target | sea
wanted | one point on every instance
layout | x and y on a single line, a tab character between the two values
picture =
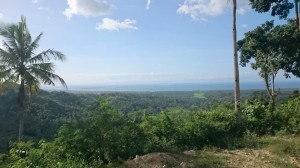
174	87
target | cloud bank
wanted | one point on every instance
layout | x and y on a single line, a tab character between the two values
200	9
87	8
115	25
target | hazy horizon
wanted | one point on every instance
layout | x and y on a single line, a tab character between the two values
174	86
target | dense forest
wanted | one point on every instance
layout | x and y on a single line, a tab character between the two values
96	129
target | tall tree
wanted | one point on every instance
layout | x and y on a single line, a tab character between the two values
235	61
20	64
269	49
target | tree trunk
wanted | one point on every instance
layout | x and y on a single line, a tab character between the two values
270	91
236	65
273	94
297	13
21	104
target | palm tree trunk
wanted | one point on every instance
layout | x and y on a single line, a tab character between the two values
236	65
21	101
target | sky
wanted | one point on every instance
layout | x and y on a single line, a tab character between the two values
112	42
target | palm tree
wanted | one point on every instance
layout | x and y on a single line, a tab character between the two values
235	62
20	64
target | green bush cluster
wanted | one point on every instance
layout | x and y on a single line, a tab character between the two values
106	136
261	120
290	115
179	129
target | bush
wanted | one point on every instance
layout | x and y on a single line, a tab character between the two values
259	119
290	113
103	137
180	129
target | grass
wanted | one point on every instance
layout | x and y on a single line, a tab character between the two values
199	95
252	152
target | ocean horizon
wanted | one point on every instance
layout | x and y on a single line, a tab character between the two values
173	87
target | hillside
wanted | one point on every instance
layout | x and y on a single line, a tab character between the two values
151	129
43	117
268	152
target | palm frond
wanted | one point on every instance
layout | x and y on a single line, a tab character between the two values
5	73
8	32
49	66
46	56
33	46
47	77
8	57
31	82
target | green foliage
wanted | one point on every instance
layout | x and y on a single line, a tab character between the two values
47	154
290	113
260	118
257	117
277	7
283	145
160	132
270	48
103	137
20	64
183	129
200	95
47	112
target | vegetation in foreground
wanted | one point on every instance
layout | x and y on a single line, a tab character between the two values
102	136
267	152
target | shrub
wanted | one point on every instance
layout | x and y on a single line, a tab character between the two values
182	129
259	119
290	113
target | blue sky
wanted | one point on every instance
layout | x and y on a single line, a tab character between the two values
138	41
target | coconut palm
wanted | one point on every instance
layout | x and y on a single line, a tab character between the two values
20	64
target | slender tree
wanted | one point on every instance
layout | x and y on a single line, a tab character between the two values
270	48
235	61
20	64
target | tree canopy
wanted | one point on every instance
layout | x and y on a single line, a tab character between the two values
279	8
271	48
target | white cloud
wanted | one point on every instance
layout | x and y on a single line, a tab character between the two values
35	1
1	15
148	4
197	9
111	24
200	9
87	8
